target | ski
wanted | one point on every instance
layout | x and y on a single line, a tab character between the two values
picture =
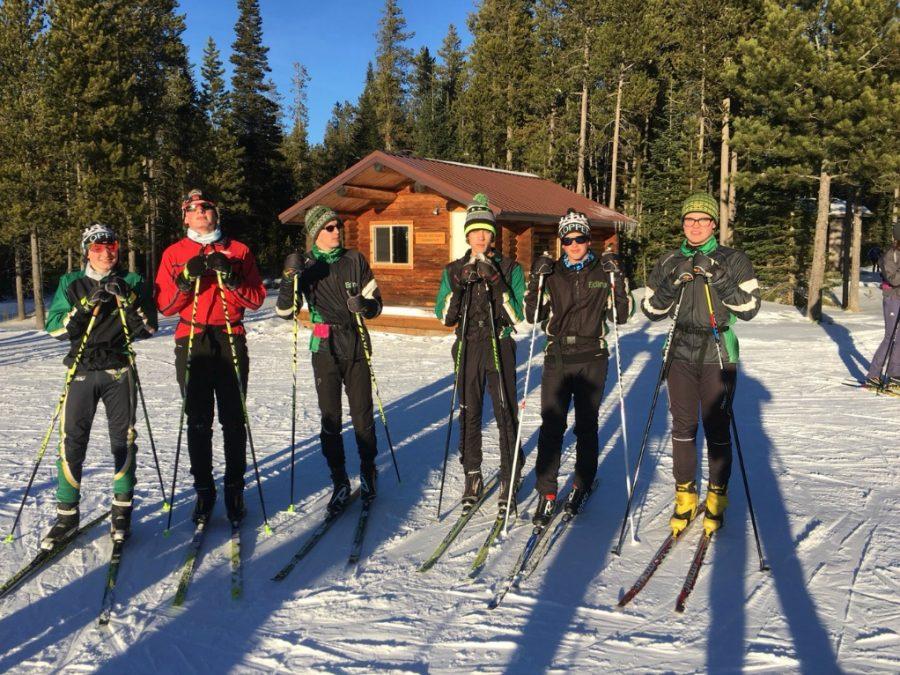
237	574
44	558
558	530
356	547
190	561
482	554
460	523
693	572
109	590
856	384
314	538
657	560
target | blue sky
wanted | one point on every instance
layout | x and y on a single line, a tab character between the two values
334	40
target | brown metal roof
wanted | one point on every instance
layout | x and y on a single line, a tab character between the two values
512	195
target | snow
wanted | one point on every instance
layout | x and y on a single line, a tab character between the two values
822	460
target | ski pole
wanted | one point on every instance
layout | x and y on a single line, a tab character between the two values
368	355
187	377
70	375
727	404
612	285
457	369
237	374
294	390
515	461
663	368
889	354
501	381
137	381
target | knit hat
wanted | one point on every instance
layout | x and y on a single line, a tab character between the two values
97	234
573	221
317	218
195	196
701	202
479	216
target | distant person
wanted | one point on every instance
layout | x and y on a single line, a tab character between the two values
338	284
879	376
89	300
200	256
695	379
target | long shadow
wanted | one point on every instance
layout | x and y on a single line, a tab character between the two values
857	364
726	647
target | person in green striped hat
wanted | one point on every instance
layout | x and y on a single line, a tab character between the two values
682	285
479	282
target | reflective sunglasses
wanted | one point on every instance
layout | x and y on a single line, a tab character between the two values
580	239
98	247
332	228
702	222
202	206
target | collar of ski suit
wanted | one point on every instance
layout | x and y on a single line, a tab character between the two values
330	257
91	273
705	248
205	239
581	264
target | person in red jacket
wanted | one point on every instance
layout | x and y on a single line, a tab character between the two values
195	262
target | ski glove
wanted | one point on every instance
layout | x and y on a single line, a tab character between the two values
119	288
296	263
358	304
683	272
708	267
468	275
97	296
542	265
219	263
193	268
609	262
487	271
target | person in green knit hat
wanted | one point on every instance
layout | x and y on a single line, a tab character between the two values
337	284
695	378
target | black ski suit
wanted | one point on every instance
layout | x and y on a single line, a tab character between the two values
695	379
574	311
337	348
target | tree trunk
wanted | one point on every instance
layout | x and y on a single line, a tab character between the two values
701	131
551	136
845	255
20	282
615	147
732	190
582	127
70	259
820	243
724	178
855	246
36	281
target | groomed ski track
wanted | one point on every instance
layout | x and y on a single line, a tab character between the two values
823	462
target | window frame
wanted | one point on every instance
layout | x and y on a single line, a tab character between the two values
409	225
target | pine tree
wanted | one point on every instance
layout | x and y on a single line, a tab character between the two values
365	133
450	75
425	105
391	76
296	145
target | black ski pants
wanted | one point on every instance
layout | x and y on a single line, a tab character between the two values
212	383
354	376
562	383
116	388
697	392
476	368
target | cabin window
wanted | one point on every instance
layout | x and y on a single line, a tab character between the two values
391	244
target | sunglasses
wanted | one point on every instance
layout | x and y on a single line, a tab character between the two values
202	207
111	246
580	239
702	222
332	228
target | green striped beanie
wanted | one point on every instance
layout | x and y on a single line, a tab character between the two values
701	202
479	216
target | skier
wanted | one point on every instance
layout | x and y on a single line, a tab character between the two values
695	378
101	373
196	261
488	282
577	303
338	285
889	264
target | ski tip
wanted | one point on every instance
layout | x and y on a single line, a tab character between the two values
8	539
166	507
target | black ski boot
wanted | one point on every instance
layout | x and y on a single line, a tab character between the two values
234	503
340	496
65	526
368	477
503	498
206	498
473	490
576	500
543	514
120	516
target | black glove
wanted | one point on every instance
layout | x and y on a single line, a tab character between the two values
468	275
708	267
683	272
295	264
357	303
543	264
194	267
96	297
219	263
119	288
609	262
487	271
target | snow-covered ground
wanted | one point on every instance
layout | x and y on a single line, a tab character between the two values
822	460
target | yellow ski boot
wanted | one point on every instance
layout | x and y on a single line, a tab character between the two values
685	506
716	502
